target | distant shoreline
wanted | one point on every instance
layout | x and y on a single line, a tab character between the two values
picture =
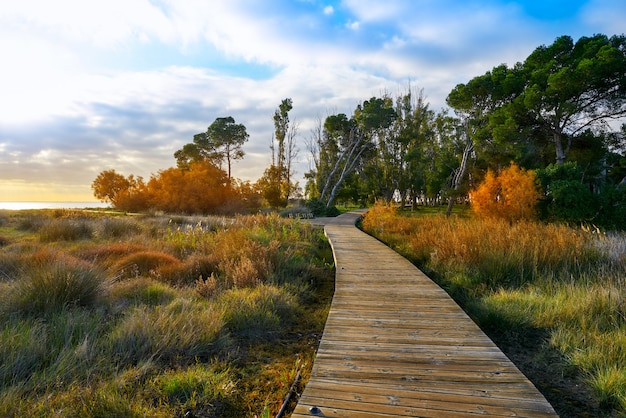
51	205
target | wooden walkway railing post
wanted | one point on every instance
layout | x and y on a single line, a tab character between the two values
395	344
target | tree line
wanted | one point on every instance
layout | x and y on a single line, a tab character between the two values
558	113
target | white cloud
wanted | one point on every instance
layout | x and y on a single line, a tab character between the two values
102	24
353	25
329	10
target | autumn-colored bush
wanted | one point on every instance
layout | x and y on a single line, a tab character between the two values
109	253
512	194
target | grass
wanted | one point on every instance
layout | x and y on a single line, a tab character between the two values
145	317
542	290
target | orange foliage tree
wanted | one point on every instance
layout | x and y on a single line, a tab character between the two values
203	188
512	195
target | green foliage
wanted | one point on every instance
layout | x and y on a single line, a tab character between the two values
319	209
566	198
221	143
612	202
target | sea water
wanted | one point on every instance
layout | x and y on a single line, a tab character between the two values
51	205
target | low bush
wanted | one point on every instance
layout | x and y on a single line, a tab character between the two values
143	263
196	384
183	330
55	287
109	254
115	228
258	313
142	291
65	229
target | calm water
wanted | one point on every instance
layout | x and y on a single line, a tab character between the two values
51	205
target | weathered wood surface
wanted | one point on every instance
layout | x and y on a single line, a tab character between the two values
395	344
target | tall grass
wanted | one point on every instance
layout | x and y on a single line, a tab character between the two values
526	276
184	327
55	287
150	317
65	229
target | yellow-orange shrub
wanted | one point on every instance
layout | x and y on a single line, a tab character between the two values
512	195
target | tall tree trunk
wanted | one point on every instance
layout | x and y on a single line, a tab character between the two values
347	169
558	146
459	174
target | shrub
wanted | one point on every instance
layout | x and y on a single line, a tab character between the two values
511	195
65	229
567	198
142	290
109	254
318	208
32	222
184	330
201	383
258	313
144	263
207	288
37	353
21	350
9	267
114	228
57	286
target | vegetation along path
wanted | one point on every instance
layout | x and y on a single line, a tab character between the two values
395	344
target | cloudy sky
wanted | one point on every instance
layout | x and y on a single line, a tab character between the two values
91	85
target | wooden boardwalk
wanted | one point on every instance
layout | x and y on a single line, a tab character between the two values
395	344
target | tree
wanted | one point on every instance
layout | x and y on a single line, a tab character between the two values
567	198
200	188
512	195
553	99
345	141
108	185
275	184
124	193
269	185
222	142
571	87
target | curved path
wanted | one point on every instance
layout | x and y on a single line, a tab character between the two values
395	344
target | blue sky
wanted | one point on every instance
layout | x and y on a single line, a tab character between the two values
87	86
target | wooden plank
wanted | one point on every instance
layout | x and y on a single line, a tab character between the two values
395	344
